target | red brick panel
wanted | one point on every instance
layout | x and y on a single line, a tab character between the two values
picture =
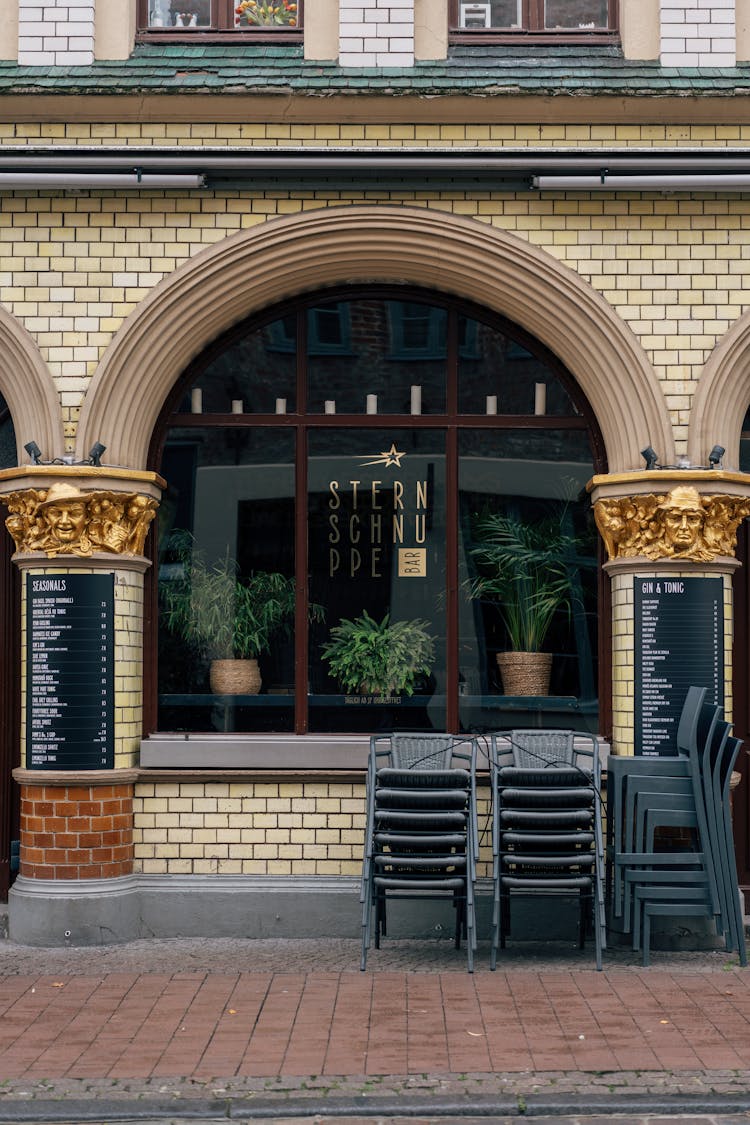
76	831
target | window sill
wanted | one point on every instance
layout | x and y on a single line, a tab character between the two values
280	36
493	37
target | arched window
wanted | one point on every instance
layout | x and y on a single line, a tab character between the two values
376	459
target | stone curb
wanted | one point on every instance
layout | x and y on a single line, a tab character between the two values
243	1109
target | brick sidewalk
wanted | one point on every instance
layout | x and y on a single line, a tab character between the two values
269	1020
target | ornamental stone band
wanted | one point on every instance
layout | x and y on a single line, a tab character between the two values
679	524
65	519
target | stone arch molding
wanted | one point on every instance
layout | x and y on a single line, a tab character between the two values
721	397
26	385
289	256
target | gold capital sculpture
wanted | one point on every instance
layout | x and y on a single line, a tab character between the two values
680	524
67	520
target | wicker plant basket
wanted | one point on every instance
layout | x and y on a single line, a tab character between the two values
525	673
234	677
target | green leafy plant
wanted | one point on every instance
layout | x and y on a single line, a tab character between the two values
524	570
379	657
224	616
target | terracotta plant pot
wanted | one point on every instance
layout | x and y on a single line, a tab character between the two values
234	677
525	673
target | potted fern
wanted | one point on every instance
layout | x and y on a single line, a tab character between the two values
524	572
231	620
379	657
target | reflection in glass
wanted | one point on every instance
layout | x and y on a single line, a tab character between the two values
376	550
8	453
491	13
376	351
254	371
575	13
179	13
521	493
229	494
493	365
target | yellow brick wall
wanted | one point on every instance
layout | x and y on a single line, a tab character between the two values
258	828
72	267
128	667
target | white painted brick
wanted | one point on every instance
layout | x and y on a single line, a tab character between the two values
391	59
76	29
358	59
356	30
351	46
672	46
680	59
402	45
719	59
74	58
35	58
29	29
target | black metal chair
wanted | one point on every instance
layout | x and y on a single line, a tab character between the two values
547	828
421	830
670	850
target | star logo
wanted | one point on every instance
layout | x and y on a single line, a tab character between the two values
387	458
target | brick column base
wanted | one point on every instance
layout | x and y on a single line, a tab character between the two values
76	826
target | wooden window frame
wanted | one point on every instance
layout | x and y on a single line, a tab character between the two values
222	29
533	29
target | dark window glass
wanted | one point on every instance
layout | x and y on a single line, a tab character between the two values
196	17
376	559
527	576
533	15
224	522
351	450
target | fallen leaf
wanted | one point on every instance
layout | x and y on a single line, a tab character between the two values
58	984
232	1011
476	1034
663	1021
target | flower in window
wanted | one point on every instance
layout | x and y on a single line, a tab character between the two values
266	12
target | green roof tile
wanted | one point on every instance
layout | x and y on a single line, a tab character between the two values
488	70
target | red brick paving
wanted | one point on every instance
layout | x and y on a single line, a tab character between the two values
266	1024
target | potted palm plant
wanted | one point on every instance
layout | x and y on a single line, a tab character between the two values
379	657
231	620
524	572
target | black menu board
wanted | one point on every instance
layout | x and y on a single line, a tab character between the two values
679	642
70	671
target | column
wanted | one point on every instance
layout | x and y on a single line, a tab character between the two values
670	538
79	534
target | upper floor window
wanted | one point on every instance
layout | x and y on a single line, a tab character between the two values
551	17
206	16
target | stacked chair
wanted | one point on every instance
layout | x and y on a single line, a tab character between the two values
421	832
547	827
670	851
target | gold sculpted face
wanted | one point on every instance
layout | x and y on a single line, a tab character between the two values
682	517
683	524
66	520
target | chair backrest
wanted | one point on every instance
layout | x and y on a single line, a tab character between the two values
421	751
542	747
687	728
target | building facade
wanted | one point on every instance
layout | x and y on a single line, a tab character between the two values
355	303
